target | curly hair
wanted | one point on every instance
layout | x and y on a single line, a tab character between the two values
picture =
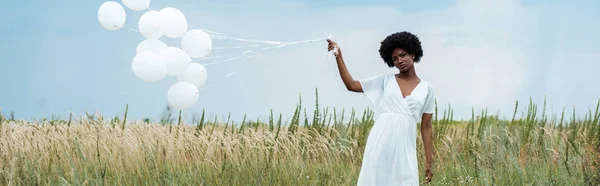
404	40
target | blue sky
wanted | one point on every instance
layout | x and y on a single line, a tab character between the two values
57	57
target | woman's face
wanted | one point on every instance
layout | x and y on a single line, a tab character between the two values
402	60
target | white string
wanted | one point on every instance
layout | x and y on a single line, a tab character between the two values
225	36
279	45
230	59
208	31
232	73
212	57
247	40
252	56
228	55
229	74
238	57
236	47
205	87
216	35
276	48
233	58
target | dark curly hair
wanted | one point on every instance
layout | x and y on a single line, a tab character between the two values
405	40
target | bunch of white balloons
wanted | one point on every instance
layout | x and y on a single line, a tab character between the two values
154	60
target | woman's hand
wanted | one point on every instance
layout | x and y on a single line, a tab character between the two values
428	173
333	46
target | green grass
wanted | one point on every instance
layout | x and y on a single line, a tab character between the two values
327	150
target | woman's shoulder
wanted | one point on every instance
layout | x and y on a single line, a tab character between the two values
428	85
430	88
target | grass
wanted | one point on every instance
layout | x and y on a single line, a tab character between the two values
327	150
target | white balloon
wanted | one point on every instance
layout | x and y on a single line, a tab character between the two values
152	45
182	95
148	66
176	59
137	5
195	74
173	23
196	43
111	15
149	25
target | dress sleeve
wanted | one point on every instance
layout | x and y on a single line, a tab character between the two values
430	101
373	88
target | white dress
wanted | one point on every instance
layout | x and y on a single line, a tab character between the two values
390	156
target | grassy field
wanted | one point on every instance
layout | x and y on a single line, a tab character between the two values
537	149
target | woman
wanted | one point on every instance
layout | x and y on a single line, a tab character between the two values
402	99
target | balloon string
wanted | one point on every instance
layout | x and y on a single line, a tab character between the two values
233	58
208	31
268	42
217	48
238	57
264	51
229	74
205	87
247	40
218	35
232	73
220	56
236	47
212	57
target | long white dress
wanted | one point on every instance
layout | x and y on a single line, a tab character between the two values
390	156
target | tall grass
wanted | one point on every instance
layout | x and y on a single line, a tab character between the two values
485	150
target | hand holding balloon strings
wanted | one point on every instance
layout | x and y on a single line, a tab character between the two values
154	60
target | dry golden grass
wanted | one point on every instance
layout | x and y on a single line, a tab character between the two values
480	151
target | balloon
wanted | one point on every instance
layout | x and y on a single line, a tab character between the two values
111	15
148	66
173	23
195	74
182	95
137	5
176	59
196	43
149	25
153	45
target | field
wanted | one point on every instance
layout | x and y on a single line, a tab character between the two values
533	149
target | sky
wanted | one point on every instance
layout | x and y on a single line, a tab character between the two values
58	59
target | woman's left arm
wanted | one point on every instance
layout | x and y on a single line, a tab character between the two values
426	133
